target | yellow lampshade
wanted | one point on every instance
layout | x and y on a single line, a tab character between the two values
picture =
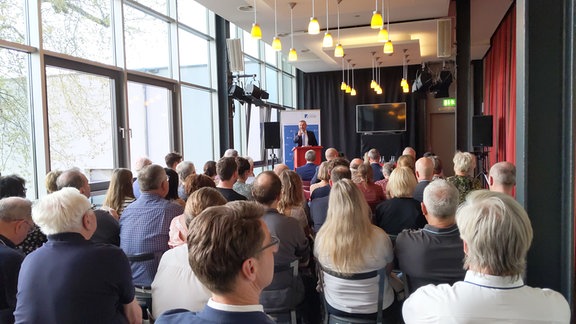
313	26
406	88
388	47
343	86
256	32
276	44
348	89
327	41
373	84
353	92
292	55
379	91
383	35
339	50
403	83
376	21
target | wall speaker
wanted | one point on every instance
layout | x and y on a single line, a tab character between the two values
482	131
444	37
235	56
271	135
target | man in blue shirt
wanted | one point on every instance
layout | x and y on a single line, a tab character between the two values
307	171
243	268
145	224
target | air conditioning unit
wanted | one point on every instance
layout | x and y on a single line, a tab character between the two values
444	32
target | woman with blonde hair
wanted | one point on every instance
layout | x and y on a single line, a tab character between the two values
292	199
373	193
348	245
120	192
401	211
464	165
323	176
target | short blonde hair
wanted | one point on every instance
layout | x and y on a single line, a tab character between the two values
401	183
61	211
323	171
464	162
497	231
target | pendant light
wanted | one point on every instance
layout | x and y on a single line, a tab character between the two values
348	87
276	43
338	50
373	82
379	88
327	41
313	25
292	55
343	84
376	21
353	92
388	47
383	33
256	31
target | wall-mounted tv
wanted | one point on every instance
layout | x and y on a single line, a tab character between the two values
380	118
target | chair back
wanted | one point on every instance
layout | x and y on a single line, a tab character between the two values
286	312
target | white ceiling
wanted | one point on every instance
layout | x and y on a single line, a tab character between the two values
412	26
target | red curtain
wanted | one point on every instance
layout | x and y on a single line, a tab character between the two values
500	89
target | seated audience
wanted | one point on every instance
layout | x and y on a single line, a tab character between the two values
401	211
227	170
306	171
464	165
145	224
438	171
434	254
374	160
502	178
245	170
71	279
409	151
319	206
236	278
330	154
372	192
497	235
172	160
173	183
210	170
325	191
354	164
139	165
387	169
230	153
292	199
348	244
51	181
184	169
120	192
424	173
108	230
15	224
406	161
175	285
323	176
279	168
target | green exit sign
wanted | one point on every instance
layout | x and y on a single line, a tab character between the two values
450	102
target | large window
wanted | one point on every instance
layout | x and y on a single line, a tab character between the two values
12	21
198	131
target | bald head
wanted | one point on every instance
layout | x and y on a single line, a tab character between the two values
355	163
331	153
266	188
75	179
409	151
279	168
502	177
424	169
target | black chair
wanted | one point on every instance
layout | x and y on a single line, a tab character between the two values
287	313
143	294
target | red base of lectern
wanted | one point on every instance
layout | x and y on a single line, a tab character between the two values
300	155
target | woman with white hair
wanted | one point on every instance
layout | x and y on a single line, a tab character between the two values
349	245
464	165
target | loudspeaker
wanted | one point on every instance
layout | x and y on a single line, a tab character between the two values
444	37
482	130
235	56
271	135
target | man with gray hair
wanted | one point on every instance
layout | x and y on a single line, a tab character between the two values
502	177
433	254
497	234
230	153
184	169
306	172
71	279
15	223
139	165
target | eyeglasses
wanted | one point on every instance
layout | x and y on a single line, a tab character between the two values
273	241
31	225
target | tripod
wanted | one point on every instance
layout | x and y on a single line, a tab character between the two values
482	165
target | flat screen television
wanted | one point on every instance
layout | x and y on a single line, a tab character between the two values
381	118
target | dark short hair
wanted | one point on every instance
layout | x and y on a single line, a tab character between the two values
266	188
196	181
172	158
70	178
210	168
243	165
226	167
340	172
217	259
173	182
12	186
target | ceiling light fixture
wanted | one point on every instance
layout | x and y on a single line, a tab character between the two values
388	47
276	43
348	87
338	50
353	92
292	55
313	25
378	87
343	84
376	21
256	31
383	33
373	82
327	41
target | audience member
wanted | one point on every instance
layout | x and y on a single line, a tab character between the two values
502	178
108	230
330	154
497	235
244	171
354	164
173	183
438	170
71	279
323	176
139	165
374	159
227	170
348	244
464	165
319	206
406	161
172	160
230	153
282	292
325	191
145	224
434	254
184	169
196	181
175	285
50	180
306	172
305	137
12	186
15	223
292	199
424	174
279	168
210	170
410	151
387	169
372	193
401	211
245	265
120	192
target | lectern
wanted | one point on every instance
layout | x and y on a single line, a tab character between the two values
300	155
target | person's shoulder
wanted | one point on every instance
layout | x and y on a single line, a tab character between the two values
178	316
9	254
